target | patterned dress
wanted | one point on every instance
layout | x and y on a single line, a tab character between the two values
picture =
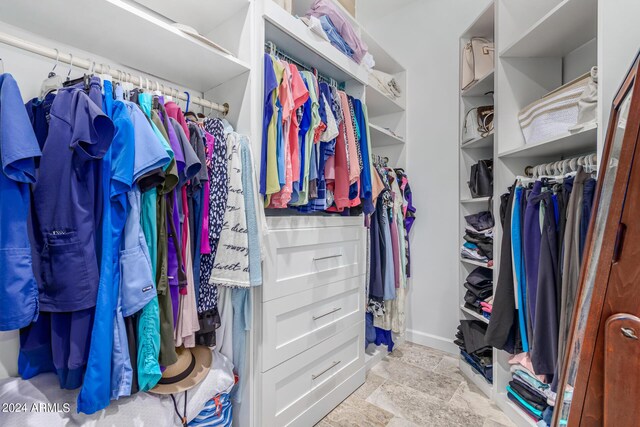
217	169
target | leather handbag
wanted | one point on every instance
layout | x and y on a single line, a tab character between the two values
477	60
478	123
481	179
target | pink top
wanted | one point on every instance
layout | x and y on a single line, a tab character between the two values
173	110
353	163
340	186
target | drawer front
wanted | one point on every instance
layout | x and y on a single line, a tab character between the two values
292	324
290	389
298	260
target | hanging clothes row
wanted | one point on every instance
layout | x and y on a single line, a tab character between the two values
545	224
316	147
131	199
388	266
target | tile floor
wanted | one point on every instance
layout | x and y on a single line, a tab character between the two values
416	386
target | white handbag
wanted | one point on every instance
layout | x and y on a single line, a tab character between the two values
477	60
552	116
478	123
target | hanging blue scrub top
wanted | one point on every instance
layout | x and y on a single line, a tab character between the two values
18	152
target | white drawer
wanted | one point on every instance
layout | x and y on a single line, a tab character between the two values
302	383
297	322
301	259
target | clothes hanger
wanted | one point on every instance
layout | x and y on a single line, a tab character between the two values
70	67
186	110
53	81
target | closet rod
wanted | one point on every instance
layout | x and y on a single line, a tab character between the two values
102	69
271	48
562	166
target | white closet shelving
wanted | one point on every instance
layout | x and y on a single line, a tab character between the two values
539	47
315	265
127	33
478	94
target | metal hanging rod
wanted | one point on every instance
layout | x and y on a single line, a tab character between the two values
122	76
561	167
272	49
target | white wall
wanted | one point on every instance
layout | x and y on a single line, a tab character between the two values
618	44
423	36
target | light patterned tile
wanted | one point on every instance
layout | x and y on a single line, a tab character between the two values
324	423
356	412
417	355
372	382
449	366
401	422
470	398
420	408
436	385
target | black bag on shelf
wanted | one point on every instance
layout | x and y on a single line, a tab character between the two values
481	179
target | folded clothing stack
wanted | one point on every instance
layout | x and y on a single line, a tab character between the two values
529	391
478	244
473	349
479	296
385	83
339	30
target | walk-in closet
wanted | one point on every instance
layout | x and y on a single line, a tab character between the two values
332	213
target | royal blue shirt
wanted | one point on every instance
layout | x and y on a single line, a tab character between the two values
18	151
65	205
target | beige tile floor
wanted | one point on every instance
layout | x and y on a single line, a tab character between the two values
416	386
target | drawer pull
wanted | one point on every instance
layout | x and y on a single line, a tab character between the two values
327	257
333	365
326	314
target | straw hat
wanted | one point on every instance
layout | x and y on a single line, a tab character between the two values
191	368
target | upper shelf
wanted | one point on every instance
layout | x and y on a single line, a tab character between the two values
571	144
483	26
379	104
481	87
381	137
210	14
119	30
482	142
565	28
295	38
384	61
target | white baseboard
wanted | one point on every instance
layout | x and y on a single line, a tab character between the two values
433	341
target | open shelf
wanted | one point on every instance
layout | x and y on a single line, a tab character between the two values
379	104
483	142
210	14
474	314
484	25
381	137
116	26
517	415
480	381
565	28
292	36
481	87
478	263
478	200
384	61
572	144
